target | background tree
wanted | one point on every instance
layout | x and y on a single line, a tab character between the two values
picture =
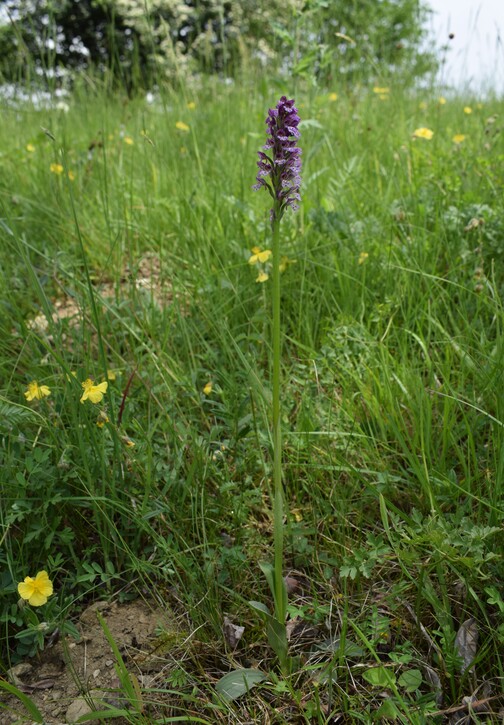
142	42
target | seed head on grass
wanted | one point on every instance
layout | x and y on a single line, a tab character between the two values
283	163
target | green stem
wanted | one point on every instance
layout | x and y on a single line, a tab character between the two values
280	592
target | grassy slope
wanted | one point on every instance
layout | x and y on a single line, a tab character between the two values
392	373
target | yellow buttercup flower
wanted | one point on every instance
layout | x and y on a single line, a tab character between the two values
458	138
333	97
441	100
381	91
467	109
71	176
423	132
111	375
208	388
191	105
259	256
128	140
262	277
182	126
35	391
37	590
362	257
92	392
30	148
56	169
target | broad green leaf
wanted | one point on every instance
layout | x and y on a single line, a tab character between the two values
410	680
275	630
351	649
387	710
99	715
239	682
379	677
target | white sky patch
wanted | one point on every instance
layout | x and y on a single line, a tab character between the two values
474	60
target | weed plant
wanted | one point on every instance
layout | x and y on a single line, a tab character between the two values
126	228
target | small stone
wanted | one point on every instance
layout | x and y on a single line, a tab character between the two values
88	616
77	709
81	706
109	663
14	674
96	674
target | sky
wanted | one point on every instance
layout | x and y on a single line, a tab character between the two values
475	55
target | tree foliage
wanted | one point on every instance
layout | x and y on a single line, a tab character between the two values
144	41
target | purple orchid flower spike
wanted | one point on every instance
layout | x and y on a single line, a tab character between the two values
283	162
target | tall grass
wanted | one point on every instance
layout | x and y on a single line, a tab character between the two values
392	409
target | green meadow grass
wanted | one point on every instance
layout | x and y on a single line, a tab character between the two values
130	257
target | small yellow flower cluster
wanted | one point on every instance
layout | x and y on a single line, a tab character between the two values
383	93
423	132
91	391
260	257
182	126
58	170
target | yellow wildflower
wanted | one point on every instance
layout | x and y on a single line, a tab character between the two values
35	391
30	148
381	91
128	442
111	375
441	100
208	388
262	277
425	133
259	256
191	105
182	126
363	257
71	176
128	140
467	109
36	590
56	169
458	138
93	392
333	97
